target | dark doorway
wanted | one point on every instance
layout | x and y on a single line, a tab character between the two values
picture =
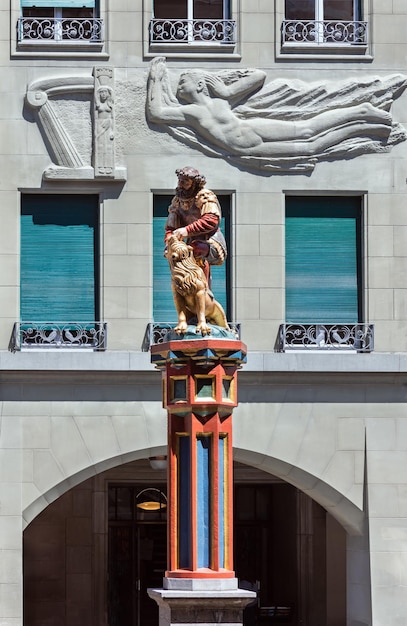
265	551
264	554
137	553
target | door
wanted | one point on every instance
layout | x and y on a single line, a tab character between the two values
137	554
265	553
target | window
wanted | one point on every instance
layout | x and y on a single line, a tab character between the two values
60	21
324	22
59	271
163	304
192	21
323	265
347	10
323	262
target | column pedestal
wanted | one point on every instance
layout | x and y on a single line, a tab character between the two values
205	602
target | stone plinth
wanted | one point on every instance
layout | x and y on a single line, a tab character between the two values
204	602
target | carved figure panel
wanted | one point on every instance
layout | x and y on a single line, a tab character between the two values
53	102
104	161
275	126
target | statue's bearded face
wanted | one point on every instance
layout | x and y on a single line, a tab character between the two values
187	187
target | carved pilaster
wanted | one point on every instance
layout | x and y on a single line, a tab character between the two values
103	128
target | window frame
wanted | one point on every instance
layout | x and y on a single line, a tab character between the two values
303	336
328	50
57	46
86	333
194	48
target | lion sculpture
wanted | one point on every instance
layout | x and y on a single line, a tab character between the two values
192	296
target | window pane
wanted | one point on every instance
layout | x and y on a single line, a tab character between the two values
262	503
77	13
37	12
322	260
170	9
59	257
208	9
245	503
56	4
338	10
299	9
112	503
124	503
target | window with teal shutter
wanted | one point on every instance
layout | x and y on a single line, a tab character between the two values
59	258
163	304
323	259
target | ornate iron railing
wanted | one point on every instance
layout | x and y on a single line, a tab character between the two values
352	337
328	32
192	31
71	335
89	30
156	332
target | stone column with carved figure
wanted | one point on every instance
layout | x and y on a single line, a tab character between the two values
104	131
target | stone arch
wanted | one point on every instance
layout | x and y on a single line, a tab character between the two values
338	505
350	516
42	501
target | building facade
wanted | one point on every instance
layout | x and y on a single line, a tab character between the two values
295	112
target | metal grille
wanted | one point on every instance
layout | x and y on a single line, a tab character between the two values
42	335
157	333
353	337
326	32
192	31
59	29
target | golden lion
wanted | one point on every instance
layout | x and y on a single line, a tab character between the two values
190	290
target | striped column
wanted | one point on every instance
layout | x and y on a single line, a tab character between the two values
199	393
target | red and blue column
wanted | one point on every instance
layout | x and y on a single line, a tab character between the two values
199	378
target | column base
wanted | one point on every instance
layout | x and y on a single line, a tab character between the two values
206	602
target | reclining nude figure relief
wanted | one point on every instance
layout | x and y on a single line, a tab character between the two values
278	126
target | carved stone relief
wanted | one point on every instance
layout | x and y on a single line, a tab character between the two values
91	123
74	155
276	126
103	153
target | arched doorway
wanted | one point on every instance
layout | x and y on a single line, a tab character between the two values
90	556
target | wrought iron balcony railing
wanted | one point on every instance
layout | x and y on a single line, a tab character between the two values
156	332
329	32
192	31
49	29
348	337
66	335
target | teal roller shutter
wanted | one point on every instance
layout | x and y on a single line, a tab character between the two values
58	258
68	4
163	304
220	273
323	259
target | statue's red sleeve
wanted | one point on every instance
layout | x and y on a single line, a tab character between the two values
205	224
